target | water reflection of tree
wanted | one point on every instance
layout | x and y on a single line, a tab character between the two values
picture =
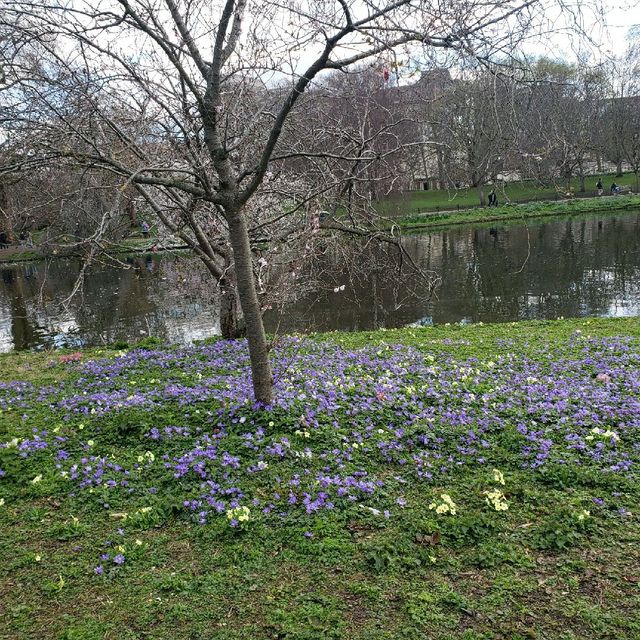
359	285
571	268
14	288
574	267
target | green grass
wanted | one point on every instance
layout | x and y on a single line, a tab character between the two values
413	202
518	212
532	572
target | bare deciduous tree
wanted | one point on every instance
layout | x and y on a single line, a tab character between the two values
193	103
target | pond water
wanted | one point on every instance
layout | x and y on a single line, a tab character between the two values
571	267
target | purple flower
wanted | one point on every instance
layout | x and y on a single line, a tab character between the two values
98	570
119	559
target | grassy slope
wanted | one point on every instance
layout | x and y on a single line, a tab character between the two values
435	200
519	212
498	575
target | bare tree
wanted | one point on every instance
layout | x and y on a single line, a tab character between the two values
193	104
623	119
475	120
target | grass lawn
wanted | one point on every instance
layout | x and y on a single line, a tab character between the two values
413	202
519	212
474	482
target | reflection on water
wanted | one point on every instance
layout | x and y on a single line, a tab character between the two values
575	267
146	298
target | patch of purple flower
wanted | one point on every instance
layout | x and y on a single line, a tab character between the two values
344	423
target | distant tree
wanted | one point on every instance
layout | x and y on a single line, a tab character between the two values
474	123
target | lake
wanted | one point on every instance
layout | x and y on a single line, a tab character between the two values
581	266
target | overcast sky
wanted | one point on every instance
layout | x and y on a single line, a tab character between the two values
607	24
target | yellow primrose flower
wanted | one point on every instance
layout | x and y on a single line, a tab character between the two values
498	476
241	514
446	506
605	434
37	479
496	500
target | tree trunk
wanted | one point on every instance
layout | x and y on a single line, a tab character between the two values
258	348
481	195
582	185
442	180
131	212
619	169
231	324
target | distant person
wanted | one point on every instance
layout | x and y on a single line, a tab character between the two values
4	244
23	238
599	187
493	198
28	239
145	229
614	189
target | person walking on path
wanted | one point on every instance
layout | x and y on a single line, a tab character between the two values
599	187
493	198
